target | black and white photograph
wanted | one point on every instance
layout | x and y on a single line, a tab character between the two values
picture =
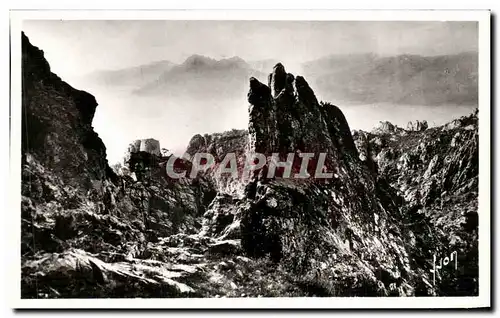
282	159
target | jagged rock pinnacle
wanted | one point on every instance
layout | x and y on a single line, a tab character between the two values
259	93
277	80
304	93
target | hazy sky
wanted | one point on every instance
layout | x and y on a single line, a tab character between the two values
75	48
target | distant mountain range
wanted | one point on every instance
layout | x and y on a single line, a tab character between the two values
132	76
402	79
202	77
361	78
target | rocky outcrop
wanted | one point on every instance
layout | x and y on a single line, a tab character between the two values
301	125
394	197
68	146
219	144
350	217
71	199
385	127
435	171
142	156
151	146
417	125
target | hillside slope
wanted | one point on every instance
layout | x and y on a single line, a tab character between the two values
435	172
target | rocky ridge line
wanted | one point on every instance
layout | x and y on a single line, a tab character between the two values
357	234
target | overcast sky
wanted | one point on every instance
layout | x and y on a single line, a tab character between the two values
73	47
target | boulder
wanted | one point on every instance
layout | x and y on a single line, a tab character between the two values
384	127
417	125
225	247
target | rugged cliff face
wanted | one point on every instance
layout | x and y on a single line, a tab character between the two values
68	146
76	212
396	197
219	145
340	235
435	172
